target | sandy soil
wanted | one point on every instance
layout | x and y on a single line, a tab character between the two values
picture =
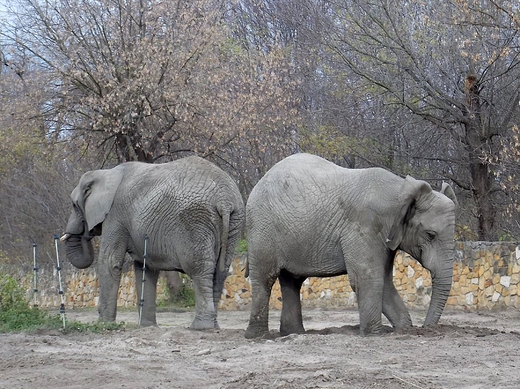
467	350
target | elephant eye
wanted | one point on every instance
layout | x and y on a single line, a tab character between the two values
430	235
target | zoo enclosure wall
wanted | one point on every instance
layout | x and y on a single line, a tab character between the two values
486	276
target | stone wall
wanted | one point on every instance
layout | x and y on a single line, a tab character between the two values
486	276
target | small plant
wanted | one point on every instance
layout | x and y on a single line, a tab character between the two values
185	297
16	314
15	311
96	327
241	246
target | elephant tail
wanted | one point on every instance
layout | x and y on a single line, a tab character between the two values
225	214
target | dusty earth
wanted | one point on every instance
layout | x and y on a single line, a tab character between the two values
467	350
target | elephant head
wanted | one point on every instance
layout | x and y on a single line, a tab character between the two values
424	228
92	199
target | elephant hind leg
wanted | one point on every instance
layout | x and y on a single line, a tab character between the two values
291	321
261	292
205	310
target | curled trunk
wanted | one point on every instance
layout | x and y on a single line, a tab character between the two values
79	251
77	239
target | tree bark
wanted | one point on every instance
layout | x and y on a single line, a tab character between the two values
478	142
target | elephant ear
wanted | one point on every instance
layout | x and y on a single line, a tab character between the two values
449	193
95	193
411	191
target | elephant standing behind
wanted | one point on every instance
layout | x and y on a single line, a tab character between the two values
309	217
190	210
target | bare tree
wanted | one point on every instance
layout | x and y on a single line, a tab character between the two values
147	80
141	80
35	175
440	80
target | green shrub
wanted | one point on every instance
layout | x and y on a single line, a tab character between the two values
241	246
15	311
12	296
185	297
16	314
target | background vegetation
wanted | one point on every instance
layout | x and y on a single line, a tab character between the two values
16	314
427	88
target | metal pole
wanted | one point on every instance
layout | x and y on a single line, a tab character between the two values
35	269
141	299
58	267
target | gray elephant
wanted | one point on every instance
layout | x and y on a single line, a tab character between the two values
191	212
309	217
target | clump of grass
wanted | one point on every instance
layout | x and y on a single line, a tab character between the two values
241	246
15	311
17	315
183	298
186	297
97	327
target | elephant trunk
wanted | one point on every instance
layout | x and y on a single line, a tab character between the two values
79	250
441	286
77	240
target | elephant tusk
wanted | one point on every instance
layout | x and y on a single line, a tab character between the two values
65	237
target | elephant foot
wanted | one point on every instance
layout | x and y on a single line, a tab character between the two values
403	327
204	324
287	330
370	330
106	320
253	332
148	323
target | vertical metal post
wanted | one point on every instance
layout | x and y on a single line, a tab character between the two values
60	290
141	298
35	269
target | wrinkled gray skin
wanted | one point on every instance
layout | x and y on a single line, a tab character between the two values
308	217
192	213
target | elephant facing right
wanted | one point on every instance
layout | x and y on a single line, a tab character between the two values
308	217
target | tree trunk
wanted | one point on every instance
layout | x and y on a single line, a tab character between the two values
478	143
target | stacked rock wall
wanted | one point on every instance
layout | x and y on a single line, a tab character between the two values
486	276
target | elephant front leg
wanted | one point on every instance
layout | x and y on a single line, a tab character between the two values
393	306
369	294
109	271
291	321
147	305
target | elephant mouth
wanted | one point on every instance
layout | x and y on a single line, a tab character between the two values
66	236
96	231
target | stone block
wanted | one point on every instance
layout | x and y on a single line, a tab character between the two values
505	281
452	300
473	287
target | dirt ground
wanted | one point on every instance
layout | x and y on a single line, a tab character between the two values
467	350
